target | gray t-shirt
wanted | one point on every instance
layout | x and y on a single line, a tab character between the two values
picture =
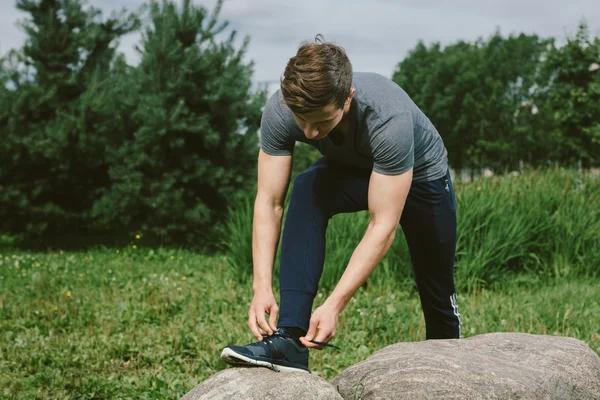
387	132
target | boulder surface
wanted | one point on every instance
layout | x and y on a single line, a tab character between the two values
249	383
489	366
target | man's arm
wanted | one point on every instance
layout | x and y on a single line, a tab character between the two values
387	196
273	182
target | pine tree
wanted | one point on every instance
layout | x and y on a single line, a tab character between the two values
52	162
188	158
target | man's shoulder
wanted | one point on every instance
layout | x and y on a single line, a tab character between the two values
380	95
373	80
276	111
278	120
274	102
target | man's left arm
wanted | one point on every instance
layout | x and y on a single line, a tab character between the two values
387	195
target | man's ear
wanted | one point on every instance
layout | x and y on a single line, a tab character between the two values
349	99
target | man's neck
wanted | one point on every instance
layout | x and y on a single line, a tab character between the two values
343	125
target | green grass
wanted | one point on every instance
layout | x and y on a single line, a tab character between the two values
150	323
142	323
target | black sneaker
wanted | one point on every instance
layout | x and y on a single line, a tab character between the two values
279	352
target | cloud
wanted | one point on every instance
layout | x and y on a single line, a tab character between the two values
11	36
376	34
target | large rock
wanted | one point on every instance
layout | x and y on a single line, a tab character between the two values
490	366
262	384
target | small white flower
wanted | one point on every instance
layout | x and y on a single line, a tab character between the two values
179	289
472	330
320	294
503	322
593	67
113	279
110	271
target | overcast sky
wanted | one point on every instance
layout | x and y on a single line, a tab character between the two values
377	34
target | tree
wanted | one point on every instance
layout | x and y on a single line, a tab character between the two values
187	157
471	91
51	162
569	97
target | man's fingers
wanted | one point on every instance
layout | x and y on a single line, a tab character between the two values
324	336
312	330
253	327
311	344
262	322
273	318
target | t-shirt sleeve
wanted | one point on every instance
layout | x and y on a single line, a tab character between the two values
275	136
392	145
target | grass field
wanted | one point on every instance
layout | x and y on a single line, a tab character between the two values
150	323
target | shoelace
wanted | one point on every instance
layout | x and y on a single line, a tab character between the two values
325	344
277	333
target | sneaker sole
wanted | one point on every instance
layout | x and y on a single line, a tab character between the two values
233	358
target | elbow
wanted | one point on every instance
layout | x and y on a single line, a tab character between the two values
391	237
278	210
276	205
268	205
386	232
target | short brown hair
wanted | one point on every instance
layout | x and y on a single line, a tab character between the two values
318	75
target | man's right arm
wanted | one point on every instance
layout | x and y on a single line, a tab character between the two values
273	182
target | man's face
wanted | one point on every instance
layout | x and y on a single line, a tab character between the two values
317	124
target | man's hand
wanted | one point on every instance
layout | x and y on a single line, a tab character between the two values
325	318
262	303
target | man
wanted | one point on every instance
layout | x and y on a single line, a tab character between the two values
382	154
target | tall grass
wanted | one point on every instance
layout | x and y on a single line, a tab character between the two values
236	238
543	221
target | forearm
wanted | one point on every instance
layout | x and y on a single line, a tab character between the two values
266	228
371	249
